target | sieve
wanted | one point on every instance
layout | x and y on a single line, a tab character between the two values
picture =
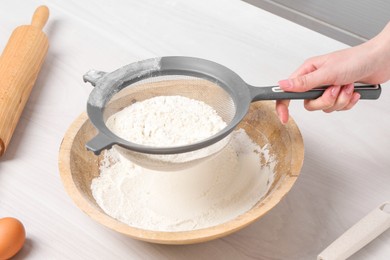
195	78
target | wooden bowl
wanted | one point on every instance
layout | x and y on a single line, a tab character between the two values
78	167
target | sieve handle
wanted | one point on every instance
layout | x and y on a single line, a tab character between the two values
93	76
276	93
99	143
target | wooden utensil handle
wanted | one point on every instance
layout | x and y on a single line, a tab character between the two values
40	17
20	63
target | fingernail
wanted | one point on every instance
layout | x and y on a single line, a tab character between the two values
355	98
280	117
334	92
349	89
286	84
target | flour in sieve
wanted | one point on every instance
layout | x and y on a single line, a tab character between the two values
211	193
166	121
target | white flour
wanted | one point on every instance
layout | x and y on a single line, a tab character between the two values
208	194
166	121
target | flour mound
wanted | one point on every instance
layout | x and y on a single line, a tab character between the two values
211	193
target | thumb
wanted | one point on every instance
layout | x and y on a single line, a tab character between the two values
305	82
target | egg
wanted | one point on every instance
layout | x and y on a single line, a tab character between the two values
12	236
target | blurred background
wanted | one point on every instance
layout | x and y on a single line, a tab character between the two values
348	21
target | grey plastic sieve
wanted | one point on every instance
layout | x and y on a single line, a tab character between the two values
242	94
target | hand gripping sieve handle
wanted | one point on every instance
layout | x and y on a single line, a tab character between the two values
360	234
20	64
276	93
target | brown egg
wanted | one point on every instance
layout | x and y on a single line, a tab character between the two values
12	236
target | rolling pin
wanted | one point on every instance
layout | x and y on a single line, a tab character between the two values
20	64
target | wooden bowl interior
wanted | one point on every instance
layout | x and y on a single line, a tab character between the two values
78	167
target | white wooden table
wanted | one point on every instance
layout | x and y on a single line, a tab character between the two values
346	172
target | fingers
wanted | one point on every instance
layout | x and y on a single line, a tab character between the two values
343	99
305	82
282	110
335	98
305	68
326	101
355	98
310	66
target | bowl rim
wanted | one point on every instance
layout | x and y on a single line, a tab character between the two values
180	237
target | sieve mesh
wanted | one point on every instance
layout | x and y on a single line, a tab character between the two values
173	85
191	87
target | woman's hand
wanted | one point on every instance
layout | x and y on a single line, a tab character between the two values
368	62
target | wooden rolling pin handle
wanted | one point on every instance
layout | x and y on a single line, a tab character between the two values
40	17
